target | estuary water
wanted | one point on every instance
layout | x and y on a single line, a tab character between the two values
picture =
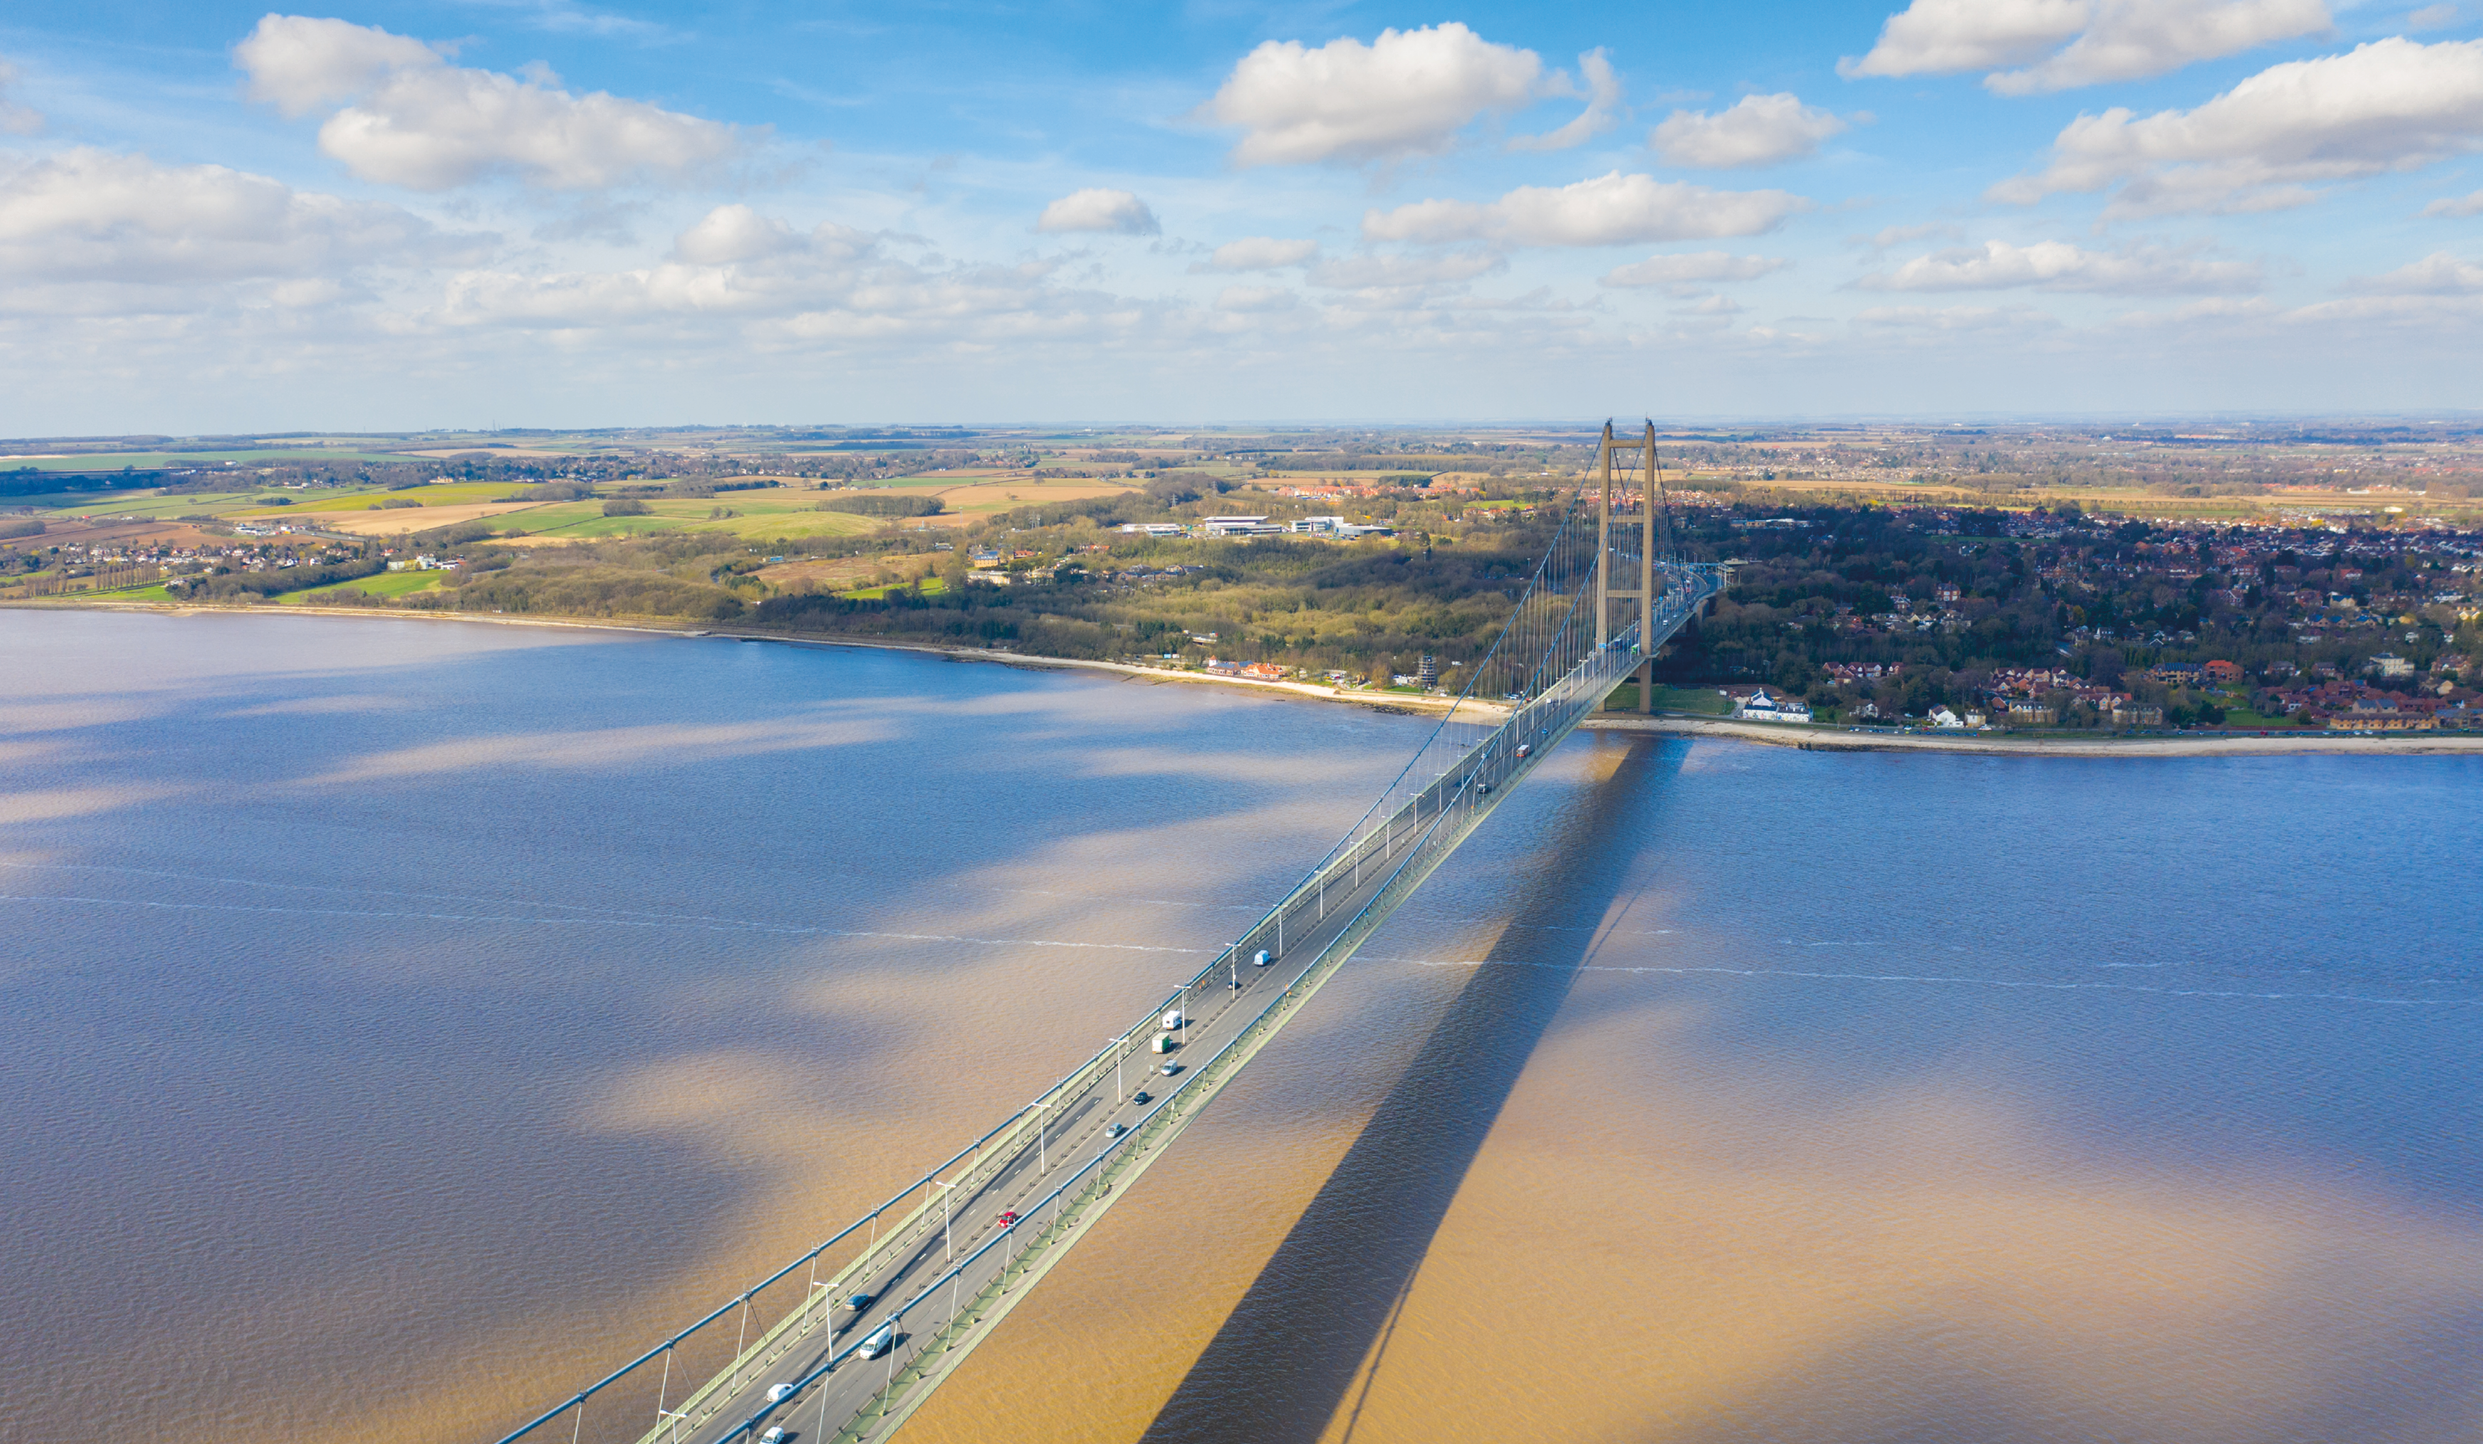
402	1021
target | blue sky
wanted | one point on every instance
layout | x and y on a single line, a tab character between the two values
537	212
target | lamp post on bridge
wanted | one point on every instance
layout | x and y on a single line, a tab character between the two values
947	1239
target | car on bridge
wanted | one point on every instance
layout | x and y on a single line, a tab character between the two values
880	1342
1142	1096
1169	1069
778	1393
1116	1130
1009	1219
1262	960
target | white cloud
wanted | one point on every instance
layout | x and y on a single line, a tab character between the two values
417	121
298	63
2215	309
2134	39
1701	267
1711	306
2433	17
2060	266
1953	319
1255	298
1899	235
1261	253
1936	37
2438	274
1407	93
2097	40
737	273
15	119
1603	101
1356	273
93	216
2465	205
730	235
1613	209
2391	105
1759	130
1114	212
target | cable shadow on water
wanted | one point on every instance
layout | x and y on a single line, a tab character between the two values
1283	1363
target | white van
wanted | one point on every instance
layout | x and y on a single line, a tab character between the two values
1173	1019
880	1342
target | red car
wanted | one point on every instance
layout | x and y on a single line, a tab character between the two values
1009	1219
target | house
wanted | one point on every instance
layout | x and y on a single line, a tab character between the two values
1942	717
2027	712
2390	666
1237	526
1264	672
2223	672
1764	706
2126	713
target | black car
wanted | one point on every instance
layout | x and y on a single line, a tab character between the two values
1142	1096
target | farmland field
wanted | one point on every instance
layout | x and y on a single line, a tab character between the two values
451	493
385	584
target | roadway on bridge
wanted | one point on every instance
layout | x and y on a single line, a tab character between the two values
1073	1135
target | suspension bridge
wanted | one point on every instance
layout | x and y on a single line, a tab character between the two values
842	1344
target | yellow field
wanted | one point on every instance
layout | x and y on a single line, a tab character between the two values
402	519
1001	495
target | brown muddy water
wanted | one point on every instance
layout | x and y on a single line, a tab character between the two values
405	1022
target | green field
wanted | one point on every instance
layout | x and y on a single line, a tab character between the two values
385	584
760	519
151	592
932	587
155	507
1671	699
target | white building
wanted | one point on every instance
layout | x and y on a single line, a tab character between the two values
1765	706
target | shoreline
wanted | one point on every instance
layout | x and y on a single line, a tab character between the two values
1777	734
2403	744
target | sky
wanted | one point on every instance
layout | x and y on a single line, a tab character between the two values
553	213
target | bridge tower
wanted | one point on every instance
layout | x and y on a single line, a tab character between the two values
1643	450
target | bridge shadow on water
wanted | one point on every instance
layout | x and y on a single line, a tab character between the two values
1284	1362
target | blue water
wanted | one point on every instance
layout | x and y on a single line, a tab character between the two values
372	986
